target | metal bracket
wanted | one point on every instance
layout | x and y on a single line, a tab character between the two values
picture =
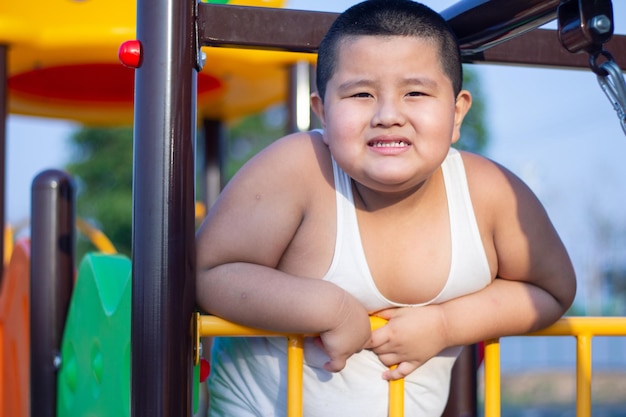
197	346
585	25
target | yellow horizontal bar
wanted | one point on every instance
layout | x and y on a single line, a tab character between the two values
596	326
215	326
567	326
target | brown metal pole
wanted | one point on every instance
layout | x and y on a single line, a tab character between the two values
463	401
497	23
163	290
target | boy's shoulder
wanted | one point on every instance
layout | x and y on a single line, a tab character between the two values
301	158
484	170
300	144
493	187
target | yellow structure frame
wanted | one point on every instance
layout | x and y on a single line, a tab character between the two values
583	328
207	326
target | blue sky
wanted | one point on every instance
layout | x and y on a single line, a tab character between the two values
554	128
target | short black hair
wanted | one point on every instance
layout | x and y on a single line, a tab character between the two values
390	18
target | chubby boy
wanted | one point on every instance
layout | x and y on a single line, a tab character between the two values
375	214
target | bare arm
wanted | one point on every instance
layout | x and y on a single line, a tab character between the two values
240	246
535	282
534	286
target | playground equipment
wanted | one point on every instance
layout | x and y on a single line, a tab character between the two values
59	59
164	265
167	105
16	337
62	62
583	328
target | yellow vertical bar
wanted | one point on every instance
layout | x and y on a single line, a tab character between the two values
396	397
396	387
583	375
492	378
295	358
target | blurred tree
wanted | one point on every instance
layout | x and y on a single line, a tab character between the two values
474	136
248	135
102	165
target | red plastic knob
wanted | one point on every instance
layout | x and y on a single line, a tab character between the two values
205	369
130	54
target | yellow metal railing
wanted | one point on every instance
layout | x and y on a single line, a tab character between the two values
214	326
584	329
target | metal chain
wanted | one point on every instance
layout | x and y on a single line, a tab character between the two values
612	82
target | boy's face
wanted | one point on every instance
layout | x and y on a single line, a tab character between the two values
389	112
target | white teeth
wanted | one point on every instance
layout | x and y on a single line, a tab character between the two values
388	144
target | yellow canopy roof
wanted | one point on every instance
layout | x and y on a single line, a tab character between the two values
63	63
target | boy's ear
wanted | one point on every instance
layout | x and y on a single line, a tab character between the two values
318	108
461	107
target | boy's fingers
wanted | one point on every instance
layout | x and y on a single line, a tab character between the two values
398	372
317	341
376	340
387	314
335	365
380	341
388	359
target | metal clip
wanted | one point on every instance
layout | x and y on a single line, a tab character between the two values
614	86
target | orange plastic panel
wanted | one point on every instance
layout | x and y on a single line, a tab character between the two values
15	334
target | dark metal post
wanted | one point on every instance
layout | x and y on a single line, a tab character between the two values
163	291
463	399
51	282
481	24
214	161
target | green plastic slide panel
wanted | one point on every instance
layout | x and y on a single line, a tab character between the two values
94	378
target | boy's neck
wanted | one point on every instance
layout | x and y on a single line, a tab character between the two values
369	200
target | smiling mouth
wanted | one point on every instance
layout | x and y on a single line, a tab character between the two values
389	144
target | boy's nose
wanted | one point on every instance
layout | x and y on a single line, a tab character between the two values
388	113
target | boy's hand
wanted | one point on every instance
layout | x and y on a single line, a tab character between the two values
412	336
351	335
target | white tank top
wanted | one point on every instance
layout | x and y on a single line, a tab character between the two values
248	375
469	269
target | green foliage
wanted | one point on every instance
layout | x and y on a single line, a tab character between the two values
247	136
473	133
102	165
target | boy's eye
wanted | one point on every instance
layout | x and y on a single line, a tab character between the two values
415	94
362	95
